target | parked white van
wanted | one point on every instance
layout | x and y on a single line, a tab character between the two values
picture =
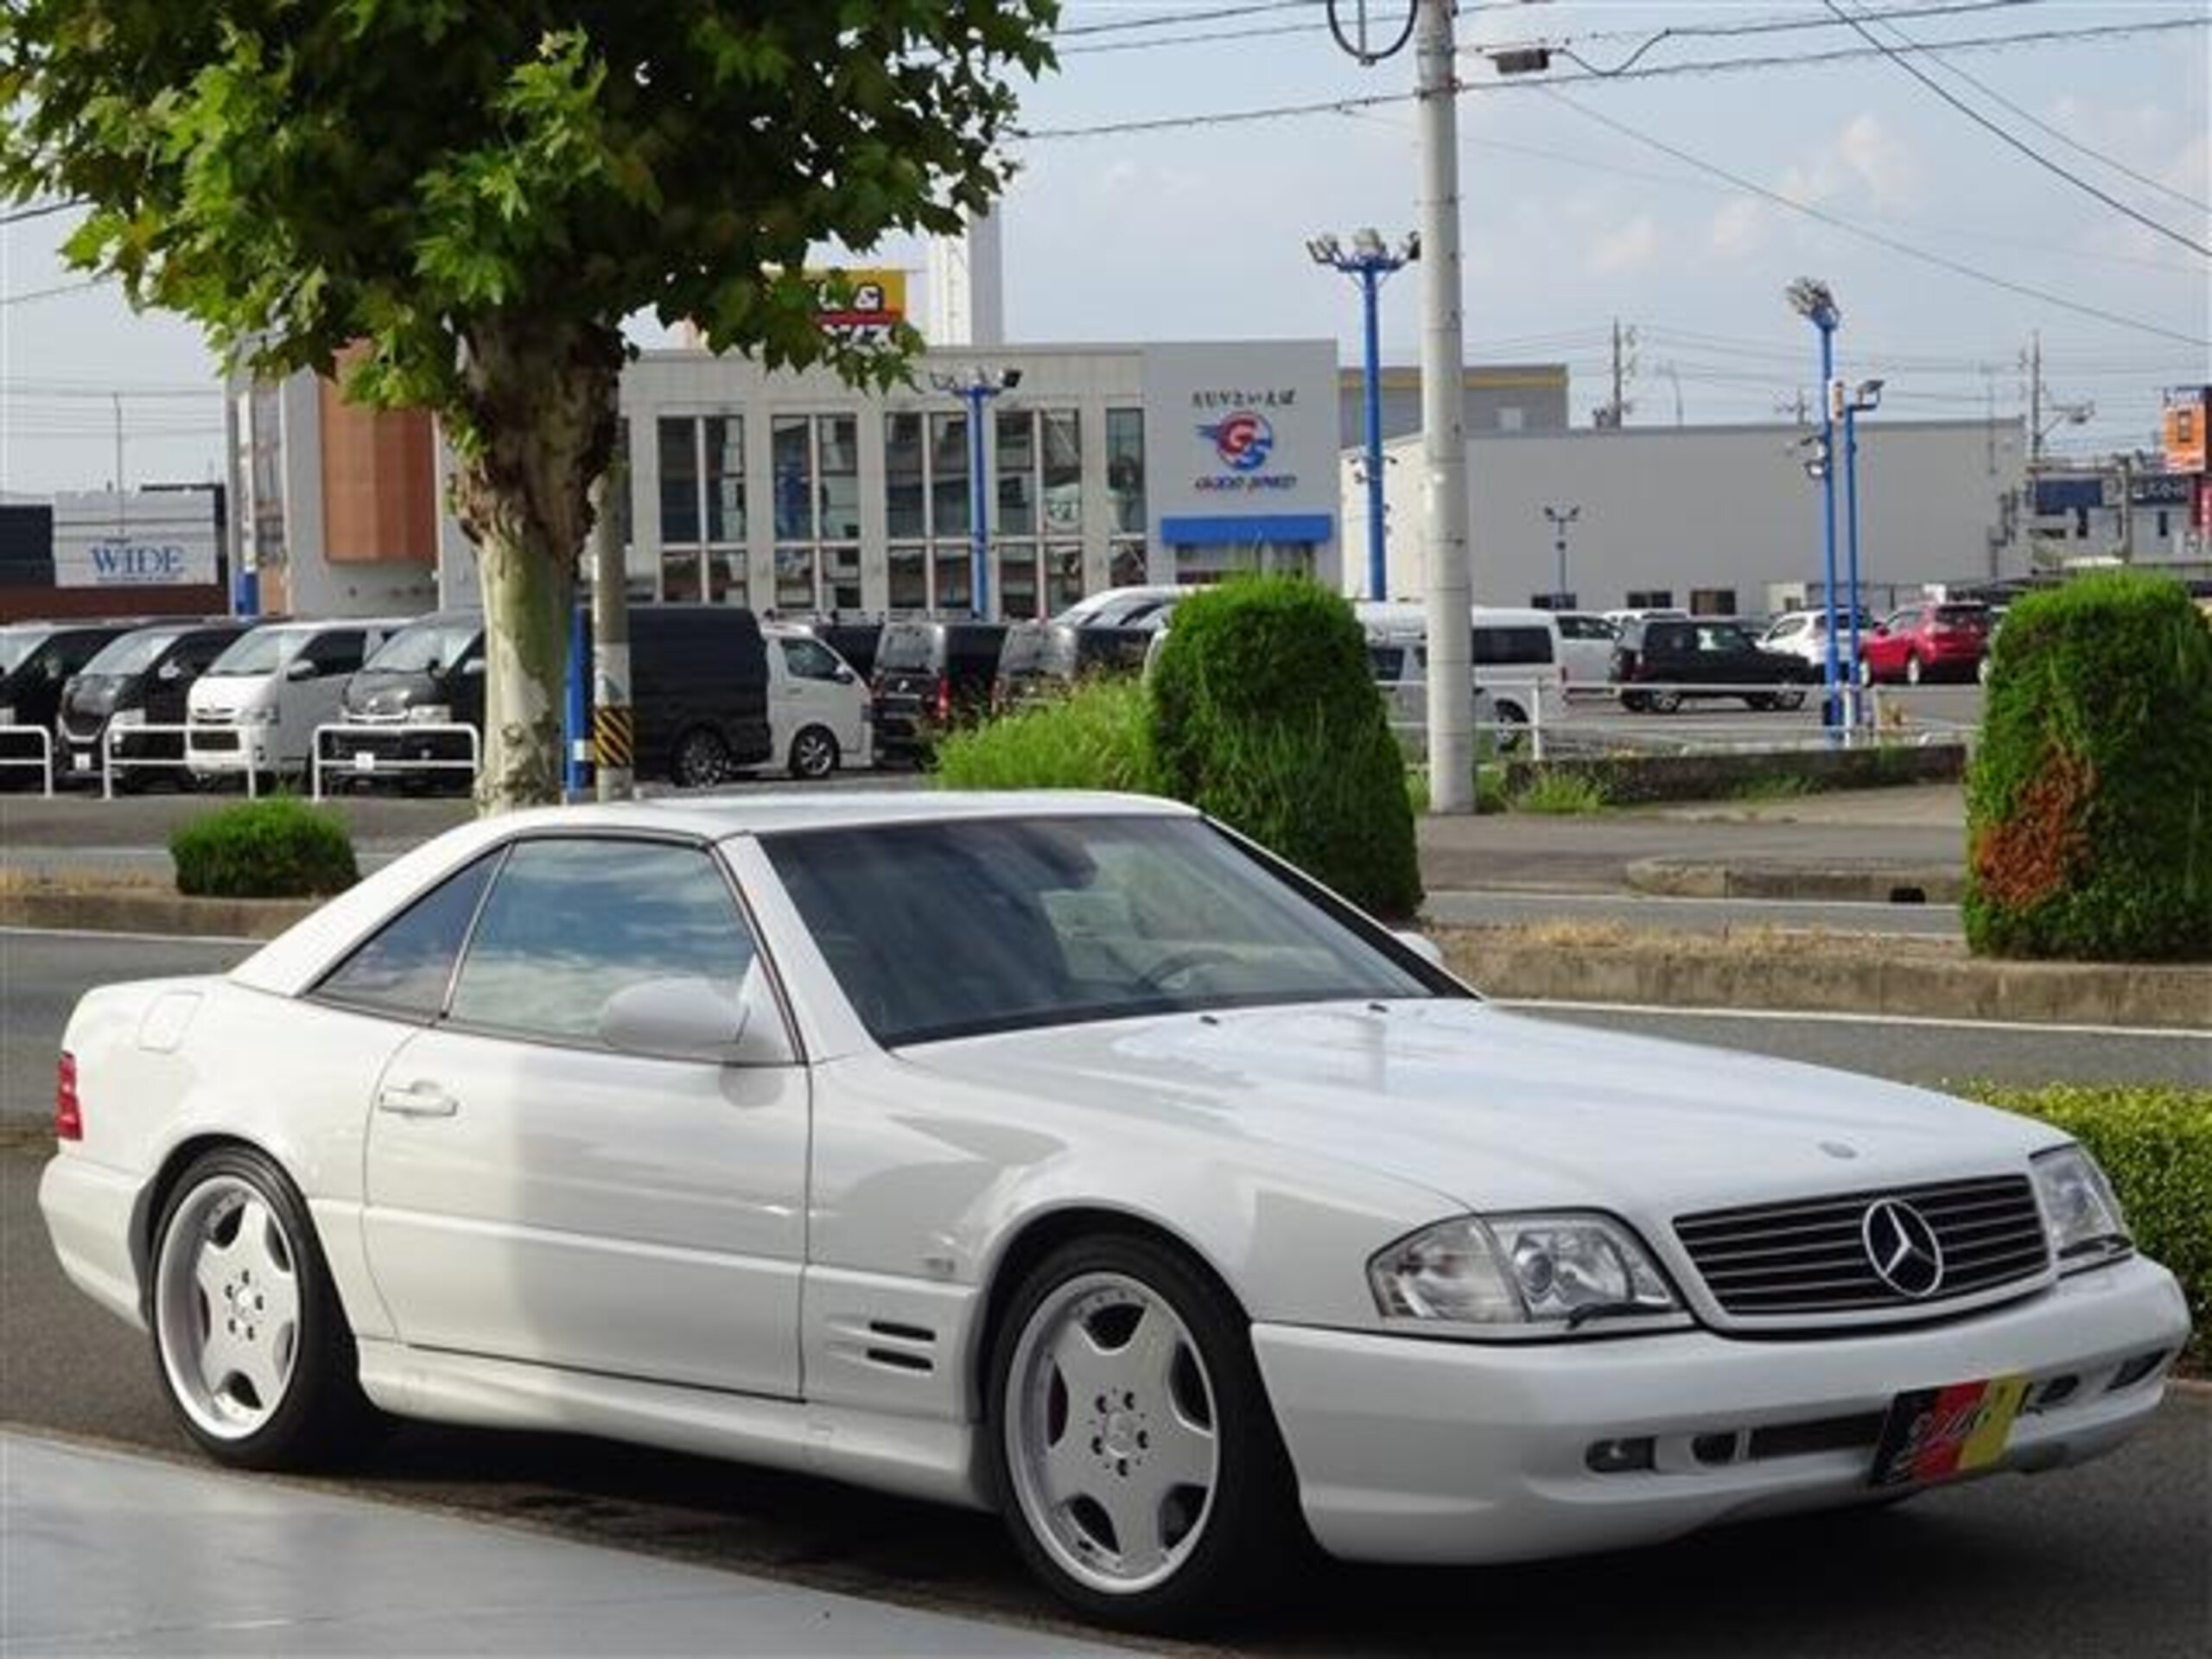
258	704
1517	656
819	710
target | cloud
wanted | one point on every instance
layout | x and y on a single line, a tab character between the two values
1631	247
1737	229
1863	160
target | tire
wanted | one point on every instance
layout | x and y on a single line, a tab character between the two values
814	753
1189	1394
280	1388
1635	702
1759	702
701	759
1665	702
1511	727
1914	674
1792	699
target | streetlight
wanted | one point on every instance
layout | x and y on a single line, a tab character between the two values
1810	298
1560	518
1863	401
1370	261
976	389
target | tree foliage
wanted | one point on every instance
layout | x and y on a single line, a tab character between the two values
480	191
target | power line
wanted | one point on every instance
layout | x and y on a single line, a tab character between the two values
1796	24
1173	20
1893	243
1199	38
2021	144
39	210
54	292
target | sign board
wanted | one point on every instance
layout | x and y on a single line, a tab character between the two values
2161	489
871	304
143	538
1244	436
2188	410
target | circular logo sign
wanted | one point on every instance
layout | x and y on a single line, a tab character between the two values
1902	1247
1243	440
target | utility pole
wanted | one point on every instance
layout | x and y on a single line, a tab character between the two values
613	730
2035	402
976	389
121	511
1444	440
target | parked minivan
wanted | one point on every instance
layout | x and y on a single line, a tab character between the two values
428	673
258	704
1517	657
140	678
36	661
1045	659
819	710
929	676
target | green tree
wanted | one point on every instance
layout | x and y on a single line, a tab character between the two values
481	190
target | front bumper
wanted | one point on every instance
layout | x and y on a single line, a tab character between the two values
1416	1450
227	751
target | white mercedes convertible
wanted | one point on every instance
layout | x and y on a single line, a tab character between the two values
1069	1156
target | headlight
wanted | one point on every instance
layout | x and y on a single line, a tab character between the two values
264	716
127	717
430	714
2079	1210
7	716
1533	1270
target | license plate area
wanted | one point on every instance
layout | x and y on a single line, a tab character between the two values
1935	1434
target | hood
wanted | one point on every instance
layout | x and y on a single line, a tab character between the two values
1503	1111
383	692
222	696
96	694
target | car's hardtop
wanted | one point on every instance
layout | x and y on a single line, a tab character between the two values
290	964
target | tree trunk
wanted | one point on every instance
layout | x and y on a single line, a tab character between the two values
539	427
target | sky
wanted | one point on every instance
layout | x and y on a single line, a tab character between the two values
1588	199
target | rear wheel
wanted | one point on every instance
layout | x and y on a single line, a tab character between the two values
1512	722
1666	703
1913	671
249	1340
813	754
701	759
1135	1458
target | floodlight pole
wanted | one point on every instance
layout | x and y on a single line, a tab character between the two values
1370	262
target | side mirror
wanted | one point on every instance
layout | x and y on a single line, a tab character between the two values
168	670
844	676
690	1020
1421	945
300	669
473	667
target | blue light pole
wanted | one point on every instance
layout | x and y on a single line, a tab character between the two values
1811	299
1866	399
976	389
1370	261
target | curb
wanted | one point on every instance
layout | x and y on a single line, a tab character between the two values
1879	884
154	912
1801	976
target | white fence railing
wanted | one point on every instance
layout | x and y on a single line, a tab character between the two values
367	763
1406	702
116	739
43	760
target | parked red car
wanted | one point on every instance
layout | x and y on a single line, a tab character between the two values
1931	641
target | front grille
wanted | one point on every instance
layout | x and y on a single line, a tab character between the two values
214	717
1809	1256
221	737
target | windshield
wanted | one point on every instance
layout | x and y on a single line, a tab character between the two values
424	646
955	929
16	643
263	652
132	654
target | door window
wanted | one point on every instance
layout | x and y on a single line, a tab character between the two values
571	922
335	653
405	967
810	660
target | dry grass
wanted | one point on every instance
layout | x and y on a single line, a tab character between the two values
1567	934
16	884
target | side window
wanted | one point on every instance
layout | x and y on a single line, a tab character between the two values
810	660
335	653
195	652
571	922
404	968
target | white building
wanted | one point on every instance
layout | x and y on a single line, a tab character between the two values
1104	465
1719	520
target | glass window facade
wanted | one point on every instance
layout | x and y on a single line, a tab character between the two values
702	508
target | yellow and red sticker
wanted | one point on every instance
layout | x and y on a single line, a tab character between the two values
1935	1433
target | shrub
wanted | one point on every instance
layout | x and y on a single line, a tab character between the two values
276	848
1098	736
2156	1144
2089	800
1564	794
1264	714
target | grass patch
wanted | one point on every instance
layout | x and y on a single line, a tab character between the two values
1563	794
1097	737
1782	787
2155	1145
276	848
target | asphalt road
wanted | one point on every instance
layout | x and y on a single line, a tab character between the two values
2113	1558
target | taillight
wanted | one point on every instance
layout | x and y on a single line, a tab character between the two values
944	696
68	1116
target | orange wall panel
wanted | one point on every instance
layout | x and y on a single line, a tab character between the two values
379	483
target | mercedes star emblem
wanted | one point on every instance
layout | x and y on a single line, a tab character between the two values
1903	1248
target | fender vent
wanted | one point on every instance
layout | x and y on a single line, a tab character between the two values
900	1360
897	1332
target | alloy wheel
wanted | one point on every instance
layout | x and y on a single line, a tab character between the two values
813	754
226	1298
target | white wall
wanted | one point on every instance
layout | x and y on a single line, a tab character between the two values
1706	507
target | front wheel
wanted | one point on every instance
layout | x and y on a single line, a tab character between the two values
1135	1458
1666	703
249	1340
1913	671
813	754
701	759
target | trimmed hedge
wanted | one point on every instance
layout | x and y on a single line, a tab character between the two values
1265	714
2089	800
276	848
2156	1144
1098	736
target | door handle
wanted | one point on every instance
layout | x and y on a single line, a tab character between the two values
422	1099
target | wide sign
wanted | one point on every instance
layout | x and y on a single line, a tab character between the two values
144	538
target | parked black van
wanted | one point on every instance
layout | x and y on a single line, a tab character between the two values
930	676
1044	660
698	684
36	661
140	677
854	641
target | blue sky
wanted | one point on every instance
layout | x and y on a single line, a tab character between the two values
1570	223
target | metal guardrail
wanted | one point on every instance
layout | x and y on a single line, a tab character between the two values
113	738
367	763
1507	735
43	761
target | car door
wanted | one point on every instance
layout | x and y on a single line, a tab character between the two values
535	1196
305	703
813	687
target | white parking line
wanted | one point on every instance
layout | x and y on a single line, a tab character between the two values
1828	1018
141	938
